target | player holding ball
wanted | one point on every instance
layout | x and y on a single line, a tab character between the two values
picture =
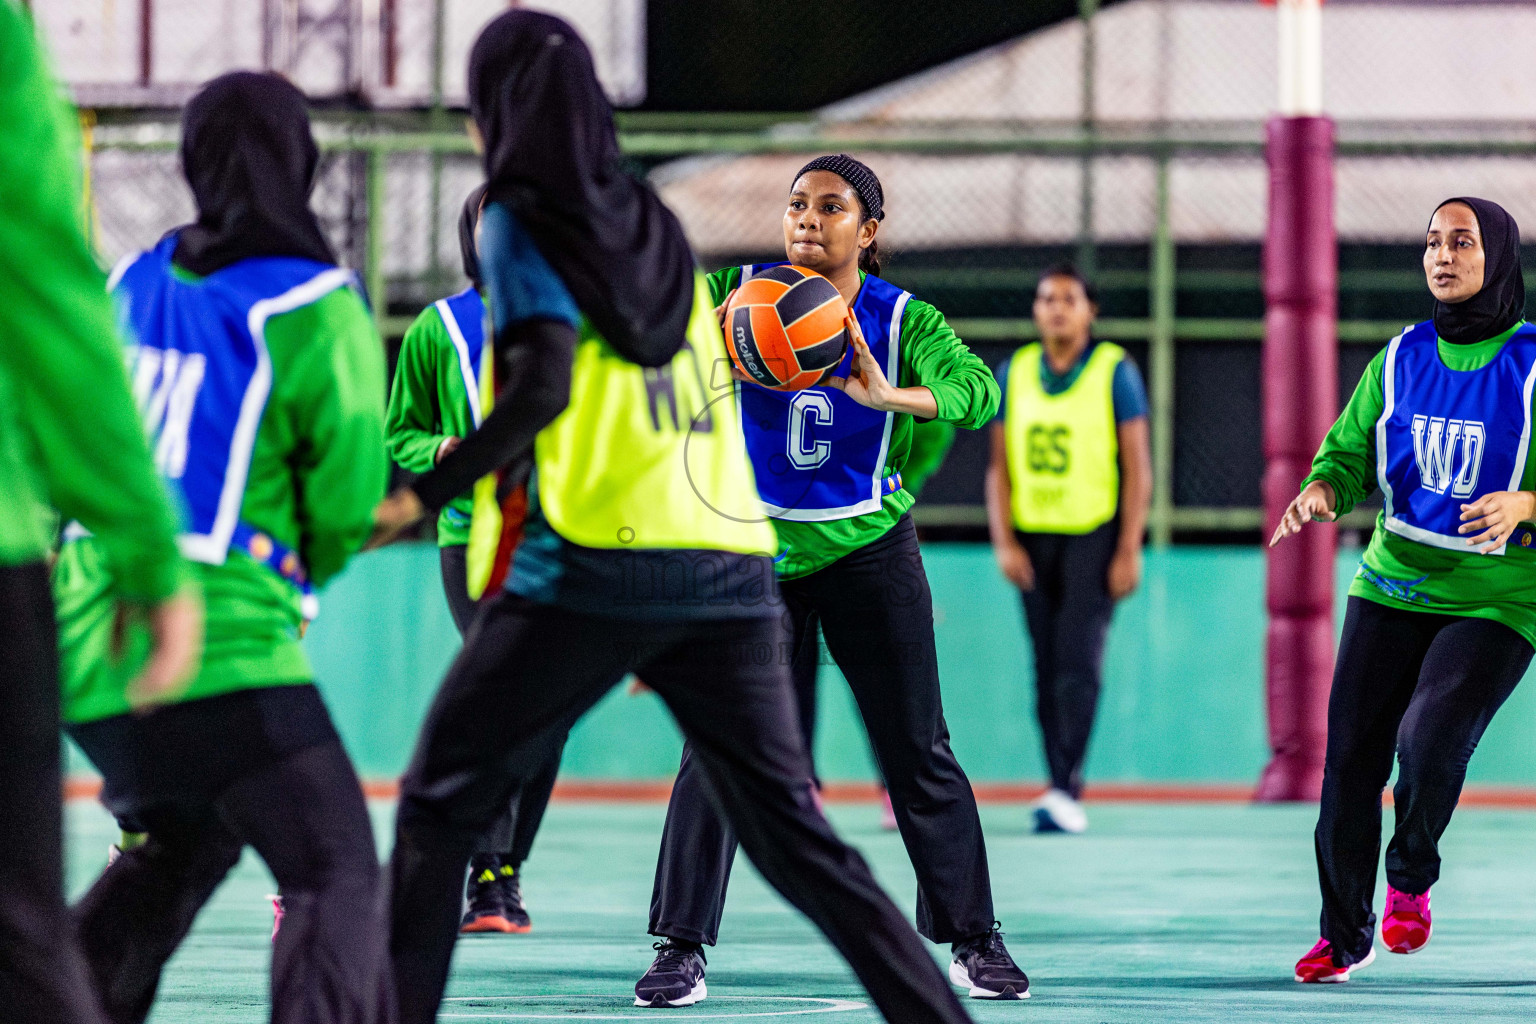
828	463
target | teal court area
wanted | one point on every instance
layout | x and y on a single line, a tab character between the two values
1167	913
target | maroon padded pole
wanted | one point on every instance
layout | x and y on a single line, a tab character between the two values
1300	388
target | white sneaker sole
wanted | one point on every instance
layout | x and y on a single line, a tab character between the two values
1370	958
961	978
698	995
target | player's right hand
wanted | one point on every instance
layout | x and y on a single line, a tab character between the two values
392	516
720	309
176	649
1014	562
1316	501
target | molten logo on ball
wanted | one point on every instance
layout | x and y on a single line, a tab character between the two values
787	327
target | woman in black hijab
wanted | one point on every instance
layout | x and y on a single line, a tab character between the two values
275	369
247	152
552	156
1441	619
430	412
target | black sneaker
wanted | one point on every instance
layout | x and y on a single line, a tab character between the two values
486	911
516	914
983	966
675	977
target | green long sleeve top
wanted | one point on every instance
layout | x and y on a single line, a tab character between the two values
317	471
931	356
1400	572
931	442
428	405
70	438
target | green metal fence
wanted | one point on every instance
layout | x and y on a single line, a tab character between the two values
373	149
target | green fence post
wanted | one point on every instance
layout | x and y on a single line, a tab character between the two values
1086	253
1160	356
373	259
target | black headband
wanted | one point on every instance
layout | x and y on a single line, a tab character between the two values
865	185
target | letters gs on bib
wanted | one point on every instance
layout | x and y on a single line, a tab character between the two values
1046	447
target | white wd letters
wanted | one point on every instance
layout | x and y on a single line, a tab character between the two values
808	405
1449	454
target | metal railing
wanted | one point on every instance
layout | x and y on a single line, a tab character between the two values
652	138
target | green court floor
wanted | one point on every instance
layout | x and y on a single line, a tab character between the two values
1159	913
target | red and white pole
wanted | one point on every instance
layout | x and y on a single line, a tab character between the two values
1300	386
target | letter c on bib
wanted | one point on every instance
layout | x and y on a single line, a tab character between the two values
808	405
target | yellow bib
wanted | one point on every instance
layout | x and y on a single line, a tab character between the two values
652	458
1063	451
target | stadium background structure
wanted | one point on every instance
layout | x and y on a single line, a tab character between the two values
1157	105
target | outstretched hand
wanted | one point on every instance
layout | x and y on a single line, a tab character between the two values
1316	501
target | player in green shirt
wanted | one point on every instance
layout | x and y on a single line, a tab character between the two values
70	445
260	377
828	463
1442	612
431	409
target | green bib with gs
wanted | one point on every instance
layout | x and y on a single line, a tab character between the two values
651	458
1062	449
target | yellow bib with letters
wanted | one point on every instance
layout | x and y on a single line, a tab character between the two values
651	458
1063	450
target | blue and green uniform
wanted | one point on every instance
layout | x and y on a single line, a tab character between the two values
830	470
260	385
435	395
1437	391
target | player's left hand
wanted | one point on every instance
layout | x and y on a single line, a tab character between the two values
866	383
392	516
1124	572
1496	515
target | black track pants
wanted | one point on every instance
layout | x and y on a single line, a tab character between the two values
1425	687
512	834
1068	616
302	810
876	614
43	979
722	680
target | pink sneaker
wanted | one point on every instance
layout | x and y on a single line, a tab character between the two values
1318	966
887	812
1406	926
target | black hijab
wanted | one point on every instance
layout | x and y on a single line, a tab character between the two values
248	154
469	219
1500	303
552	156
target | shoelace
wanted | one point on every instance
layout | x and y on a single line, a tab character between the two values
671	957
1403	901
991	951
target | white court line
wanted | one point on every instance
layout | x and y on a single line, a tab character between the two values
645	1012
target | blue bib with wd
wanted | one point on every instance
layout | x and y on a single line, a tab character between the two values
464	317
817	453
1448	437
201	377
